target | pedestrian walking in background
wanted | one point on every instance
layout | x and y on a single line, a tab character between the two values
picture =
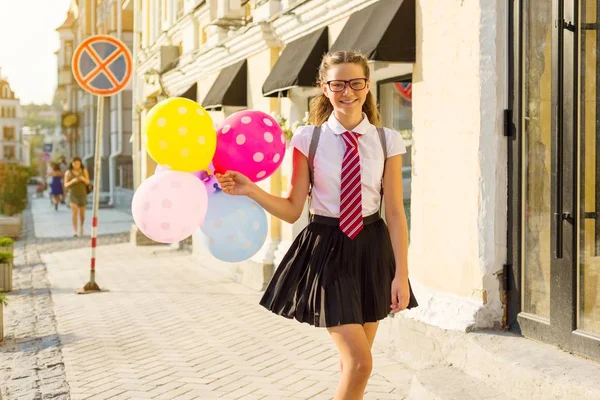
64	166
56	185
77	181
347	269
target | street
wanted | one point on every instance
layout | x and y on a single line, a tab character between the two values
485	224
167	326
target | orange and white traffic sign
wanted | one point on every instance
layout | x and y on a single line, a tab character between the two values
102	65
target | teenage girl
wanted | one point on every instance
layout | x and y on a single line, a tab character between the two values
347	269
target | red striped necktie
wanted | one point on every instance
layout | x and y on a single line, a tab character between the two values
351	221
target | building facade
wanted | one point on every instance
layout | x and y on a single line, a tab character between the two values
67	90
452	79
78	120
12	149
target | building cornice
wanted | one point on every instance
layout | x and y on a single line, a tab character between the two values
284	27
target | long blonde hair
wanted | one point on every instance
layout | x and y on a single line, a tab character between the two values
320	106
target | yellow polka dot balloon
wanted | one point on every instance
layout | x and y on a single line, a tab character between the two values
180	133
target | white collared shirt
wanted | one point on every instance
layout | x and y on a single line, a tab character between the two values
328	163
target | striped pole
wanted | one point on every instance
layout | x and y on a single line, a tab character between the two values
92	286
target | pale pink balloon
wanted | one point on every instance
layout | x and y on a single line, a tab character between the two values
169	207
250	142
160	168
198	174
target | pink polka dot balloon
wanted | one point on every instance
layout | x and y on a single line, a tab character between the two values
168	207
250	142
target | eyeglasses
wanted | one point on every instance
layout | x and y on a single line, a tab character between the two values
355	84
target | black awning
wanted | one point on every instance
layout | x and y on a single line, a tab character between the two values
384	31
298	64
190	93
230	88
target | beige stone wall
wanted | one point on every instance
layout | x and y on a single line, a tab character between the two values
458	184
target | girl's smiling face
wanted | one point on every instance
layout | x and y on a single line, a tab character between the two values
349	100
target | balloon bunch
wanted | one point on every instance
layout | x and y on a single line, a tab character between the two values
183	195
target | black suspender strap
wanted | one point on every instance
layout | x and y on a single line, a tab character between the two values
314	142
382	139
383	142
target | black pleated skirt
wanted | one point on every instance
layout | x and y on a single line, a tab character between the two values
326	279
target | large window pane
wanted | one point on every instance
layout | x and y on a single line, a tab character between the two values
395	100
537	162
589	235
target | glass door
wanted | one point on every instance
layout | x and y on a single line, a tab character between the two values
555	159
538	146
588	273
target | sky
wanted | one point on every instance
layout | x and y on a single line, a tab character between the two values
28	40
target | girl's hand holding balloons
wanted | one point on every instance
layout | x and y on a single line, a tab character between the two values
235	183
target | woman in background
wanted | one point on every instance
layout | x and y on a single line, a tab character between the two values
77	180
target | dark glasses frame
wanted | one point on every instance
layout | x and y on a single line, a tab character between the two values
347	83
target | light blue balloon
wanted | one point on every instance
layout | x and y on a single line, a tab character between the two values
235	227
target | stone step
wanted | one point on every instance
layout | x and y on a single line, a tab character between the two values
531	370
449	383
506	361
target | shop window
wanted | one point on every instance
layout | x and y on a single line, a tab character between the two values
394	97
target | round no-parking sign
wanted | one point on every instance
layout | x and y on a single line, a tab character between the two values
102	65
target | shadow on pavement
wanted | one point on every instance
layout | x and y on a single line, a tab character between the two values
33	344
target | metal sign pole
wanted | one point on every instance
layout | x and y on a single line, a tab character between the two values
102	65
92	286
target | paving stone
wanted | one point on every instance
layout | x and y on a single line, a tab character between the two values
167	328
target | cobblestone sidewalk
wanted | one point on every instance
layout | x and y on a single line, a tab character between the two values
31	365
170	327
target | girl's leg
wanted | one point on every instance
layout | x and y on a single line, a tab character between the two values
370	329
74	212
355	353
82	218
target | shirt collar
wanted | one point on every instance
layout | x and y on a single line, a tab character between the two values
337	128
